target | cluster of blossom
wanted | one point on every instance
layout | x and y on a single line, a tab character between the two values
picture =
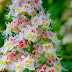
24	6
33	46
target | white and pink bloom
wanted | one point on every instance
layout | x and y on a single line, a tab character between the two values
29	43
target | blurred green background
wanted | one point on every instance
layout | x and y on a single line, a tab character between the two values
61	13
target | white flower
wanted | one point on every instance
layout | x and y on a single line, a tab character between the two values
29	33
18	67
48	54
46	24
37	20
10	67
7	31
48	47
2	67
24	6
53	37
17	10
3	62
42	69
7	47
9	44
58	68
19	22
14	22
29	63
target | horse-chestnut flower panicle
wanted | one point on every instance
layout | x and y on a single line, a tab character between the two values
29	45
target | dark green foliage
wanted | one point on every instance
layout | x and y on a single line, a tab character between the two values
26	49
57	8
67	65
17	52
67	52
31	46
27	70
2	27
13	34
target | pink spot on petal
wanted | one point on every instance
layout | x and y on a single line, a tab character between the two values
14	39
51	34
21	42
7	58
42	18
33	31
14	21
27	28
53	60
12	59
21	5
22	45
39	68
35	9
41	48
36	1
49	61
11	39
44	68
21	59
33	61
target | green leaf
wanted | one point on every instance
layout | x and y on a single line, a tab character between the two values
13	34
44	42
26	70
31	46
50	1
57	8
42	60
17	52
56	25
26	49
67	65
